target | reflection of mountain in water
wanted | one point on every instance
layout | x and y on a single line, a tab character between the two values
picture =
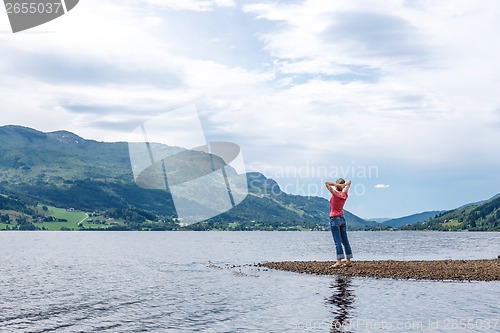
342	300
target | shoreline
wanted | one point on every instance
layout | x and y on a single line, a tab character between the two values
436	270
250	230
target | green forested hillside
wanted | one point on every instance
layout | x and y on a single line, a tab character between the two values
61	169
476	217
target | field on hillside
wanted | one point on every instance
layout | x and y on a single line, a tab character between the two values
73	219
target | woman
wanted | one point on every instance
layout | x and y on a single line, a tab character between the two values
339	191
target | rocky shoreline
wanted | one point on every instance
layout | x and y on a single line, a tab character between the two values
458	270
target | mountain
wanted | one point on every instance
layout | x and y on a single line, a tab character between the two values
379	219
479	202
62	169
472	217
410	219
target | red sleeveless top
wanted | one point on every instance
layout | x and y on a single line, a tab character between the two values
337	202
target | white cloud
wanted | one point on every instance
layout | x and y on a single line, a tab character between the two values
382	186
415	95
189	5
395	84
118	62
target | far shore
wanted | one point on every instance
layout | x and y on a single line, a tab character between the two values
121	228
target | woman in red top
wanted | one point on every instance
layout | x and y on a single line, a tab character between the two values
339	191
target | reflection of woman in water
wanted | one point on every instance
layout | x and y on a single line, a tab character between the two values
339	193
342	299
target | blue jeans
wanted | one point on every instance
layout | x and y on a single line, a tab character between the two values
339	233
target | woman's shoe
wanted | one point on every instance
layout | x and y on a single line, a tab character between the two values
336	265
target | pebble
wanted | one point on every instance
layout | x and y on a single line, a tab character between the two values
459	270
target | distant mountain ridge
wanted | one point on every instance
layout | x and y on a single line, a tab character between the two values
62	169
484	216
424	216
410	219
480	202
379	219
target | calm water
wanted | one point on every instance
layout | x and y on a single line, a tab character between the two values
186	282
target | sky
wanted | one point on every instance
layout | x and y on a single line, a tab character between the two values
401	97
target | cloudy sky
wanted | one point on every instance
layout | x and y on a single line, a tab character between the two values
402	97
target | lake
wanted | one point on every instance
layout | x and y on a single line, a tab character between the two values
205	282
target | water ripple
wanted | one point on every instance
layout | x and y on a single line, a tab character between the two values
143	282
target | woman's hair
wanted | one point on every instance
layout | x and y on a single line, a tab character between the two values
340	181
